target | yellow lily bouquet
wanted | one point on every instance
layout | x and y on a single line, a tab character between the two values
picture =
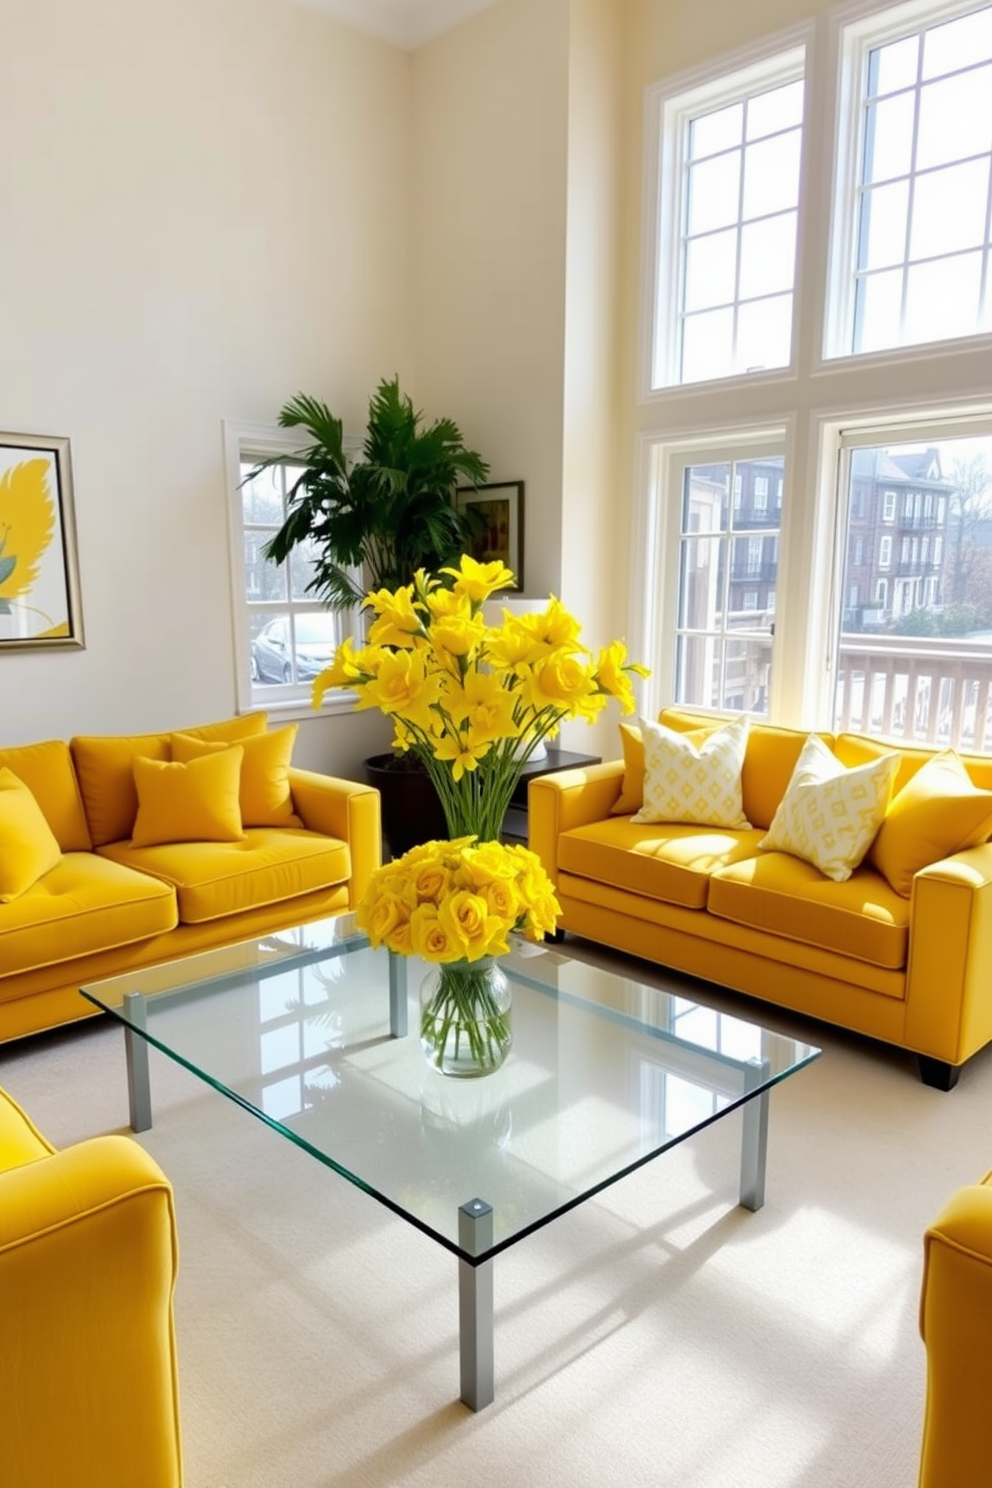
471	700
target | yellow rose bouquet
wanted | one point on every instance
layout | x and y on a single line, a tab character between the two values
471	700
455	903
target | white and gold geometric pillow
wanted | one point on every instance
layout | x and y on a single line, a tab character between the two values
829	815
686	783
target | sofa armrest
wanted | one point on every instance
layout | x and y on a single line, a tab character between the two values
956	1326
88	1260
571	798
949	973
346	809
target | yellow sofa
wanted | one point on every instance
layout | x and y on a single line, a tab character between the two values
956	1325
101	815
913	969
88	1263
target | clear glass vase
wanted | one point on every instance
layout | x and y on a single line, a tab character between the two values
465	1009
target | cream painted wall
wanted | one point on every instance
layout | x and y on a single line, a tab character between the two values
204	206
490	124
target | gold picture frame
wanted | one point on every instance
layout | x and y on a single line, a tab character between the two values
502	538
39	578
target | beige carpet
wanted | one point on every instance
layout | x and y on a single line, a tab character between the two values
658	1336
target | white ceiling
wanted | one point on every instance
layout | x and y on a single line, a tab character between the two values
406	23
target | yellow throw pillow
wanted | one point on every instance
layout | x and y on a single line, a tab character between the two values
686	782
632	789
265	796
939	811
194	802
28	846
829	815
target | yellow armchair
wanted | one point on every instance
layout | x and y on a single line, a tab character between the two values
88	1261
956	1324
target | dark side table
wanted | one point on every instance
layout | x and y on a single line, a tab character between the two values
515	820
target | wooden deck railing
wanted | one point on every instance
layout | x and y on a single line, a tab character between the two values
920	690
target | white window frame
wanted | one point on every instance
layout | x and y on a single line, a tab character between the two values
243	442
670	107
888	506
885	552
856	30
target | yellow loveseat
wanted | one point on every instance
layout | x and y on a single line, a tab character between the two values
88	1259
956	1326
910	966
117	852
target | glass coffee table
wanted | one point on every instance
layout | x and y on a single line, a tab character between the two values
308	1030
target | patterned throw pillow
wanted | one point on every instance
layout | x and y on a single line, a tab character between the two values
689	782
829	815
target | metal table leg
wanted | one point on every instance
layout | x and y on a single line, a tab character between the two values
475	1306
397	996
754	1137
139	1090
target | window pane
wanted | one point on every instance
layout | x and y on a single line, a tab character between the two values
705	499
716	131
708	345
701	587
878	321
942	297
768	256
747	667
262	496
764	334
958	43
882	239
301	561
771	175
889	138
955	118
893	66
711	270
779	108
914	657
949	209
714	189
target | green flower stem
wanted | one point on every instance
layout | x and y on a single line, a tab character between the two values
464	1003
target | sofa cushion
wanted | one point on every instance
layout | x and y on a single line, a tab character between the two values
858	749
265	796
194	802
829	815
105	770
631	797
937	813
686	782
46	770
20	1140
28	846
769	760
213	879
82	905
862	917
668	861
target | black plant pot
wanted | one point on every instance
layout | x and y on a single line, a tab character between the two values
411	809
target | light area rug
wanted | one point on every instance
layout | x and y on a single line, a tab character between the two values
659	1335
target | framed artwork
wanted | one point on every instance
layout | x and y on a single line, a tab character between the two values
39	582
502	536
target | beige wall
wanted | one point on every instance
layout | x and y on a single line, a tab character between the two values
204	206
490	131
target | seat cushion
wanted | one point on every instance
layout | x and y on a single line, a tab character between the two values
862	917
213	879
83	904
667	861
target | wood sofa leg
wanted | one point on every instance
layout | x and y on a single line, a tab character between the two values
937	1073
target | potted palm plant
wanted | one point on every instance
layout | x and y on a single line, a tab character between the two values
369	524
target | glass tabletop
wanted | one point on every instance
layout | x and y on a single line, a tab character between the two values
605	1072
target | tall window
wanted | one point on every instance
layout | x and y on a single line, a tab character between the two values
875	126
727	225
919	195
284	635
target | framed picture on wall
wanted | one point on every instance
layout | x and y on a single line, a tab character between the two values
501	530
39	582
